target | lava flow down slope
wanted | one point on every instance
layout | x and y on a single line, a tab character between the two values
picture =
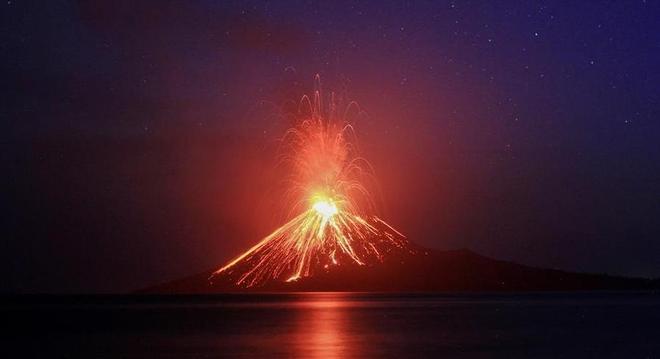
328	189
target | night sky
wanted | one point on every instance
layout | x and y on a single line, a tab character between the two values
137	138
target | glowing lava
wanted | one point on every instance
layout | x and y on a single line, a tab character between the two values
325	208
328	193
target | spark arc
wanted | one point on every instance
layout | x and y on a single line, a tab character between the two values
329	193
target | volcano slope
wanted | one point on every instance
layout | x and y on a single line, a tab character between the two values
422	270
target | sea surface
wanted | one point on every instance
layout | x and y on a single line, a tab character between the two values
334	325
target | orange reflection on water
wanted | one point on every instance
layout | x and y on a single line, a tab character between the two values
323	329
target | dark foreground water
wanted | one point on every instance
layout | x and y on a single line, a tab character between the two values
334	325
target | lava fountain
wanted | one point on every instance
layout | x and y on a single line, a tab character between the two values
328	189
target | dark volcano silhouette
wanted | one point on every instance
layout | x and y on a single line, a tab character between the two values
425	271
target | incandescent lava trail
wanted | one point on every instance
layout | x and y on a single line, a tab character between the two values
328	191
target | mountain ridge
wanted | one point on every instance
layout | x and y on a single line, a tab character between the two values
427	270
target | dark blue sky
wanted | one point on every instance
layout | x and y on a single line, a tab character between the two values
136	135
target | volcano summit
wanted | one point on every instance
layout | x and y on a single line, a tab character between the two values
328	187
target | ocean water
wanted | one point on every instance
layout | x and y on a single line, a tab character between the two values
334	325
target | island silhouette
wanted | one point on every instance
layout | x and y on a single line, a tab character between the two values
424	270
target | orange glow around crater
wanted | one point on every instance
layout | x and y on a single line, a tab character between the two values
326	208
329	194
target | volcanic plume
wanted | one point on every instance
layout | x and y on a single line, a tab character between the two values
329	192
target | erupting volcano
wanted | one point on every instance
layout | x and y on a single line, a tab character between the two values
333	238
329	192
